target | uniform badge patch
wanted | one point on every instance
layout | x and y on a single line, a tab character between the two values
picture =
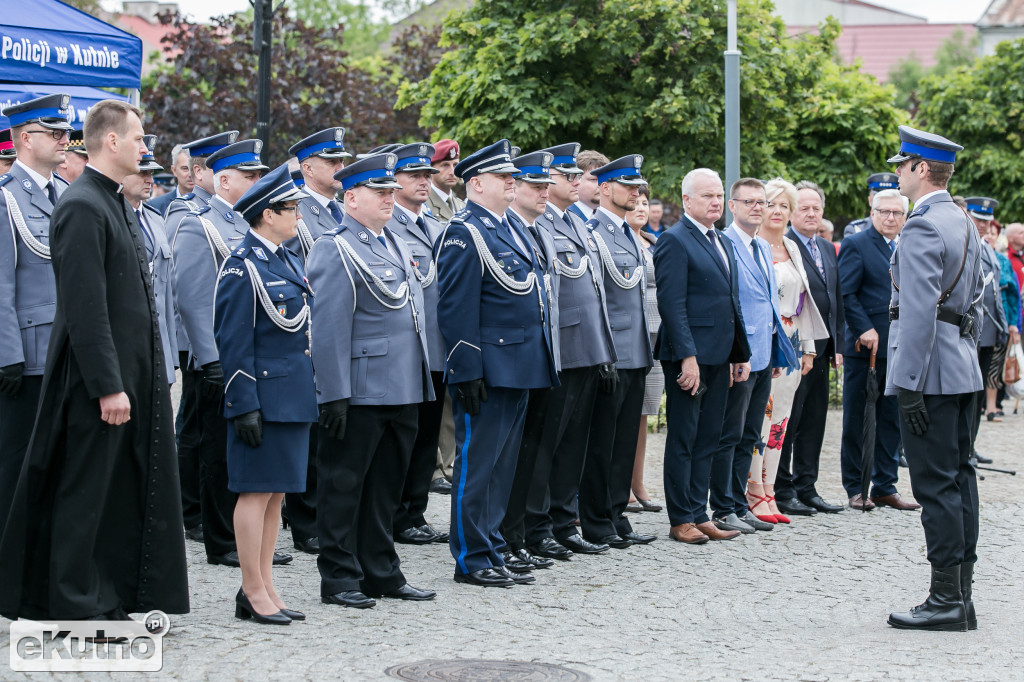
230	216
487	222
240	251
590	240
364	237
625	273
259	254
455	242
231	271
569	258
315	210
402	219
388	273
611	228
27	184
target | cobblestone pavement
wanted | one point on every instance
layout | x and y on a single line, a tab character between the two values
804	602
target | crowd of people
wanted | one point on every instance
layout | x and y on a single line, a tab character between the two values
351	337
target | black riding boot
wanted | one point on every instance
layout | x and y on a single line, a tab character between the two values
966	580
943	610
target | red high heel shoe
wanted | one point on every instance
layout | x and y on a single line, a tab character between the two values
779	516
767	518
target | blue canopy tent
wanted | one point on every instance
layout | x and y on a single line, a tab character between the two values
82	98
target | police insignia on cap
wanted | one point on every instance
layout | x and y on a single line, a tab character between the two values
637	161
363	237
987	203
315	210
390	162
423	150
339	133
257	145
65	101
506	148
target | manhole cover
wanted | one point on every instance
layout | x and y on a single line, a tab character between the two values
484	671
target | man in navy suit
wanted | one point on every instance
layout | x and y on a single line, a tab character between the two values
794	491
702	346
867	289
770	350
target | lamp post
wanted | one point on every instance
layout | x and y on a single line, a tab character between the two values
262	43
732	106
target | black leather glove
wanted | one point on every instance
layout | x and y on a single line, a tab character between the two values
608	378
471	394
213	380
913	410
249	427
334	417
10	379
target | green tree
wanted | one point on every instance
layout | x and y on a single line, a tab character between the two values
906	75
982	108
363	31
646	76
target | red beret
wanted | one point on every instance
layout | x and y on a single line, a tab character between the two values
445	149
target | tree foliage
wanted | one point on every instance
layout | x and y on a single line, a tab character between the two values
315	84
363	32
982	108
906	75
646	76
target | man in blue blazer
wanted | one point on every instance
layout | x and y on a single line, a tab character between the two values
864	280
702	344
769	349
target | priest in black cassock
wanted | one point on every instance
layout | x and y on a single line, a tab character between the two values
95	528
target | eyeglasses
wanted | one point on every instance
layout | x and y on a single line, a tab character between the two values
285	209
571	177
885	213
752	202
55	134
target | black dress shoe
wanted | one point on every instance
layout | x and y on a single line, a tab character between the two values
441	486
981	459
294	615
615	541
538	562
409	593
517	578
439	536
229	559
245	611
515	564
309	545
415	536
195	533
552	549
639	539
794	507
279	558
485	577
353	599
821	505
577	544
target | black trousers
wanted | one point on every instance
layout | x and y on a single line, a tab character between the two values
359	488
985	354
186	439
540	430
801	450
216	501
300	508
608	470
551	508
741	433
885	471
17	417
424	460
943	480
694	435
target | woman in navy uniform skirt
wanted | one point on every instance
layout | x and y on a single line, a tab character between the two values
261	325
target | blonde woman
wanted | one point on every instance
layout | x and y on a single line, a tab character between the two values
803	323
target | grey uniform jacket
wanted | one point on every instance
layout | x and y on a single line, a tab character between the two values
627	308
176	210
543	245
585	334
442	211
421	249
317	220
196	262
363	348
925	354
158	251
993	327
28	292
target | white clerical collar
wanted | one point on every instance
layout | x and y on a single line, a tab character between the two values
445	197
40	180
271	246
409	214
614	219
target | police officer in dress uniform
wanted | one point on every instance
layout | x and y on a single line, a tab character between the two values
876	183
493	315
202	241
370	353
586	356
605	486
320	156
76	157
136	189
933	370
28	296
413	223
186	424
7	151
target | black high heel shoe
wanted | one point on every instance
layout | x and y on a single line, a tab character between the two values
244	610
294	615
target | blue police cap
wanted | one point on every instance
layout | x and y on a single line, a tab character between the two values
624	170
273	188
148	162
76	143
535	168
298	178
414	157
917	144
243	155
379	149
376	172
565	158
164	180
495	158
982	208
327	144
208	145
49	111
7	150
880	181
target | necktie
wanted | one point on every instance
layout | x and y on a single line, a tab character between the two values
892	246
280	254
758	259
420	223
332	206
145	230
629	236
451	202
816	255
713	238
383	241
51	192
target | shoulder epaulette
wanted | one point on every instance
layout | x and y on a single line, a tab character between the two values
150	208
920	211
4	179
201	211
240	252
56	175
187	197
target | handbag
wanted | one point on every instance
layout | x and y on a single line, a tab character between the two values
1011	371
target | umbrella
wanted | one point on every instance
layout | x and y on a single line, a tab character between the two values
867	448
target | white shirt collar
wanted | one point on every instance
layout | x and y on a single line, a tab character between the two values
588	211
320	198
615	220
444	196
271	246
744	237
521	218
700	226
412	216
921	200
36	177
557	211
222	200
